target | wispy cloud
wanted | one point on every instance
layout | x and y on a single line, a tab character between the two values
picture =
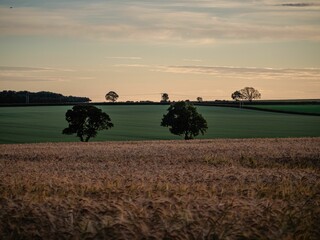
246	72
32	74
125	58
192	60
132	65
22	69
19	78
204	22
250	73
300	4
32	69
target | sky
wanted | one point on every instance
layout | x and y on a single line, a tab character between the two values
142	48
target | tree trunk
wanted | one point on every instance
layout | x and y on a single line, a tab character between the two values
186	136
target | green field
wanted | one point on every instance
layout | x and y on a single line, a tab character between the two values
142	122
299	108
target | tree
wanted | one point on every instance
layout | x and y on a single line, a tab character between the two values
86	121
183	119
164	97
112	96
236	95
199	99
249	93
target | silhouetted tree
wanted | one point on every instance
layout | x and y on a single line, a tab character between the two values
236	95
199	99
183	119
86	121
112	96
164	97
249	93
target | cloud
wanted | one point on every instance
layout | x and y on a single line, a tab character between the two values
32	74
12	78
192	60
125	58
204	22
24	78
311	74
300	4
231	72
23	69
132	65
32	69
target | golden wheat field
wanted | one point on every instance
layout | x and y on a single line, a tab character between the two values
199	189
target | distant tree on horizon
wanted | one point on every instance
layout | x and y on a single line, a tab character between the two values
86	121
236	95
164	97
112	96
247	93
183	119
199	99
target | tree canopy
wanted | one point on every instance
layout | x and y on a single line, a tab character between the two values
183	119
112	96
199	99
236	95
86	121
164	97
247	93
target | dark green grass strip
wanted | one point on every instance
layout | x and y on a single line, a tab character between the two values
312	109
45	124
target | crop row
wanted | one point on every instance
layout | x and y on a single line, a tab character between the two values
202	189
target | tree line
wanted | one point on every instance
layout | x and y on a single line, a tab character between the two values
38	97
247	93
20	97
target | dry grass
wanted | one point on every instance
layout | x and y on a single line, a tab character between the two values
207	189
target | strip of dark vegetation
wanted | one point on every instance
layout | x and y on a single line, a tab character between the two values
253	105
222	103
43	97
81	103
265	102
281	111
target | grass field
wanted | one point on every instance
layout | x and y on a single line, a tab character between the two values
303	108
199	189
45	124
